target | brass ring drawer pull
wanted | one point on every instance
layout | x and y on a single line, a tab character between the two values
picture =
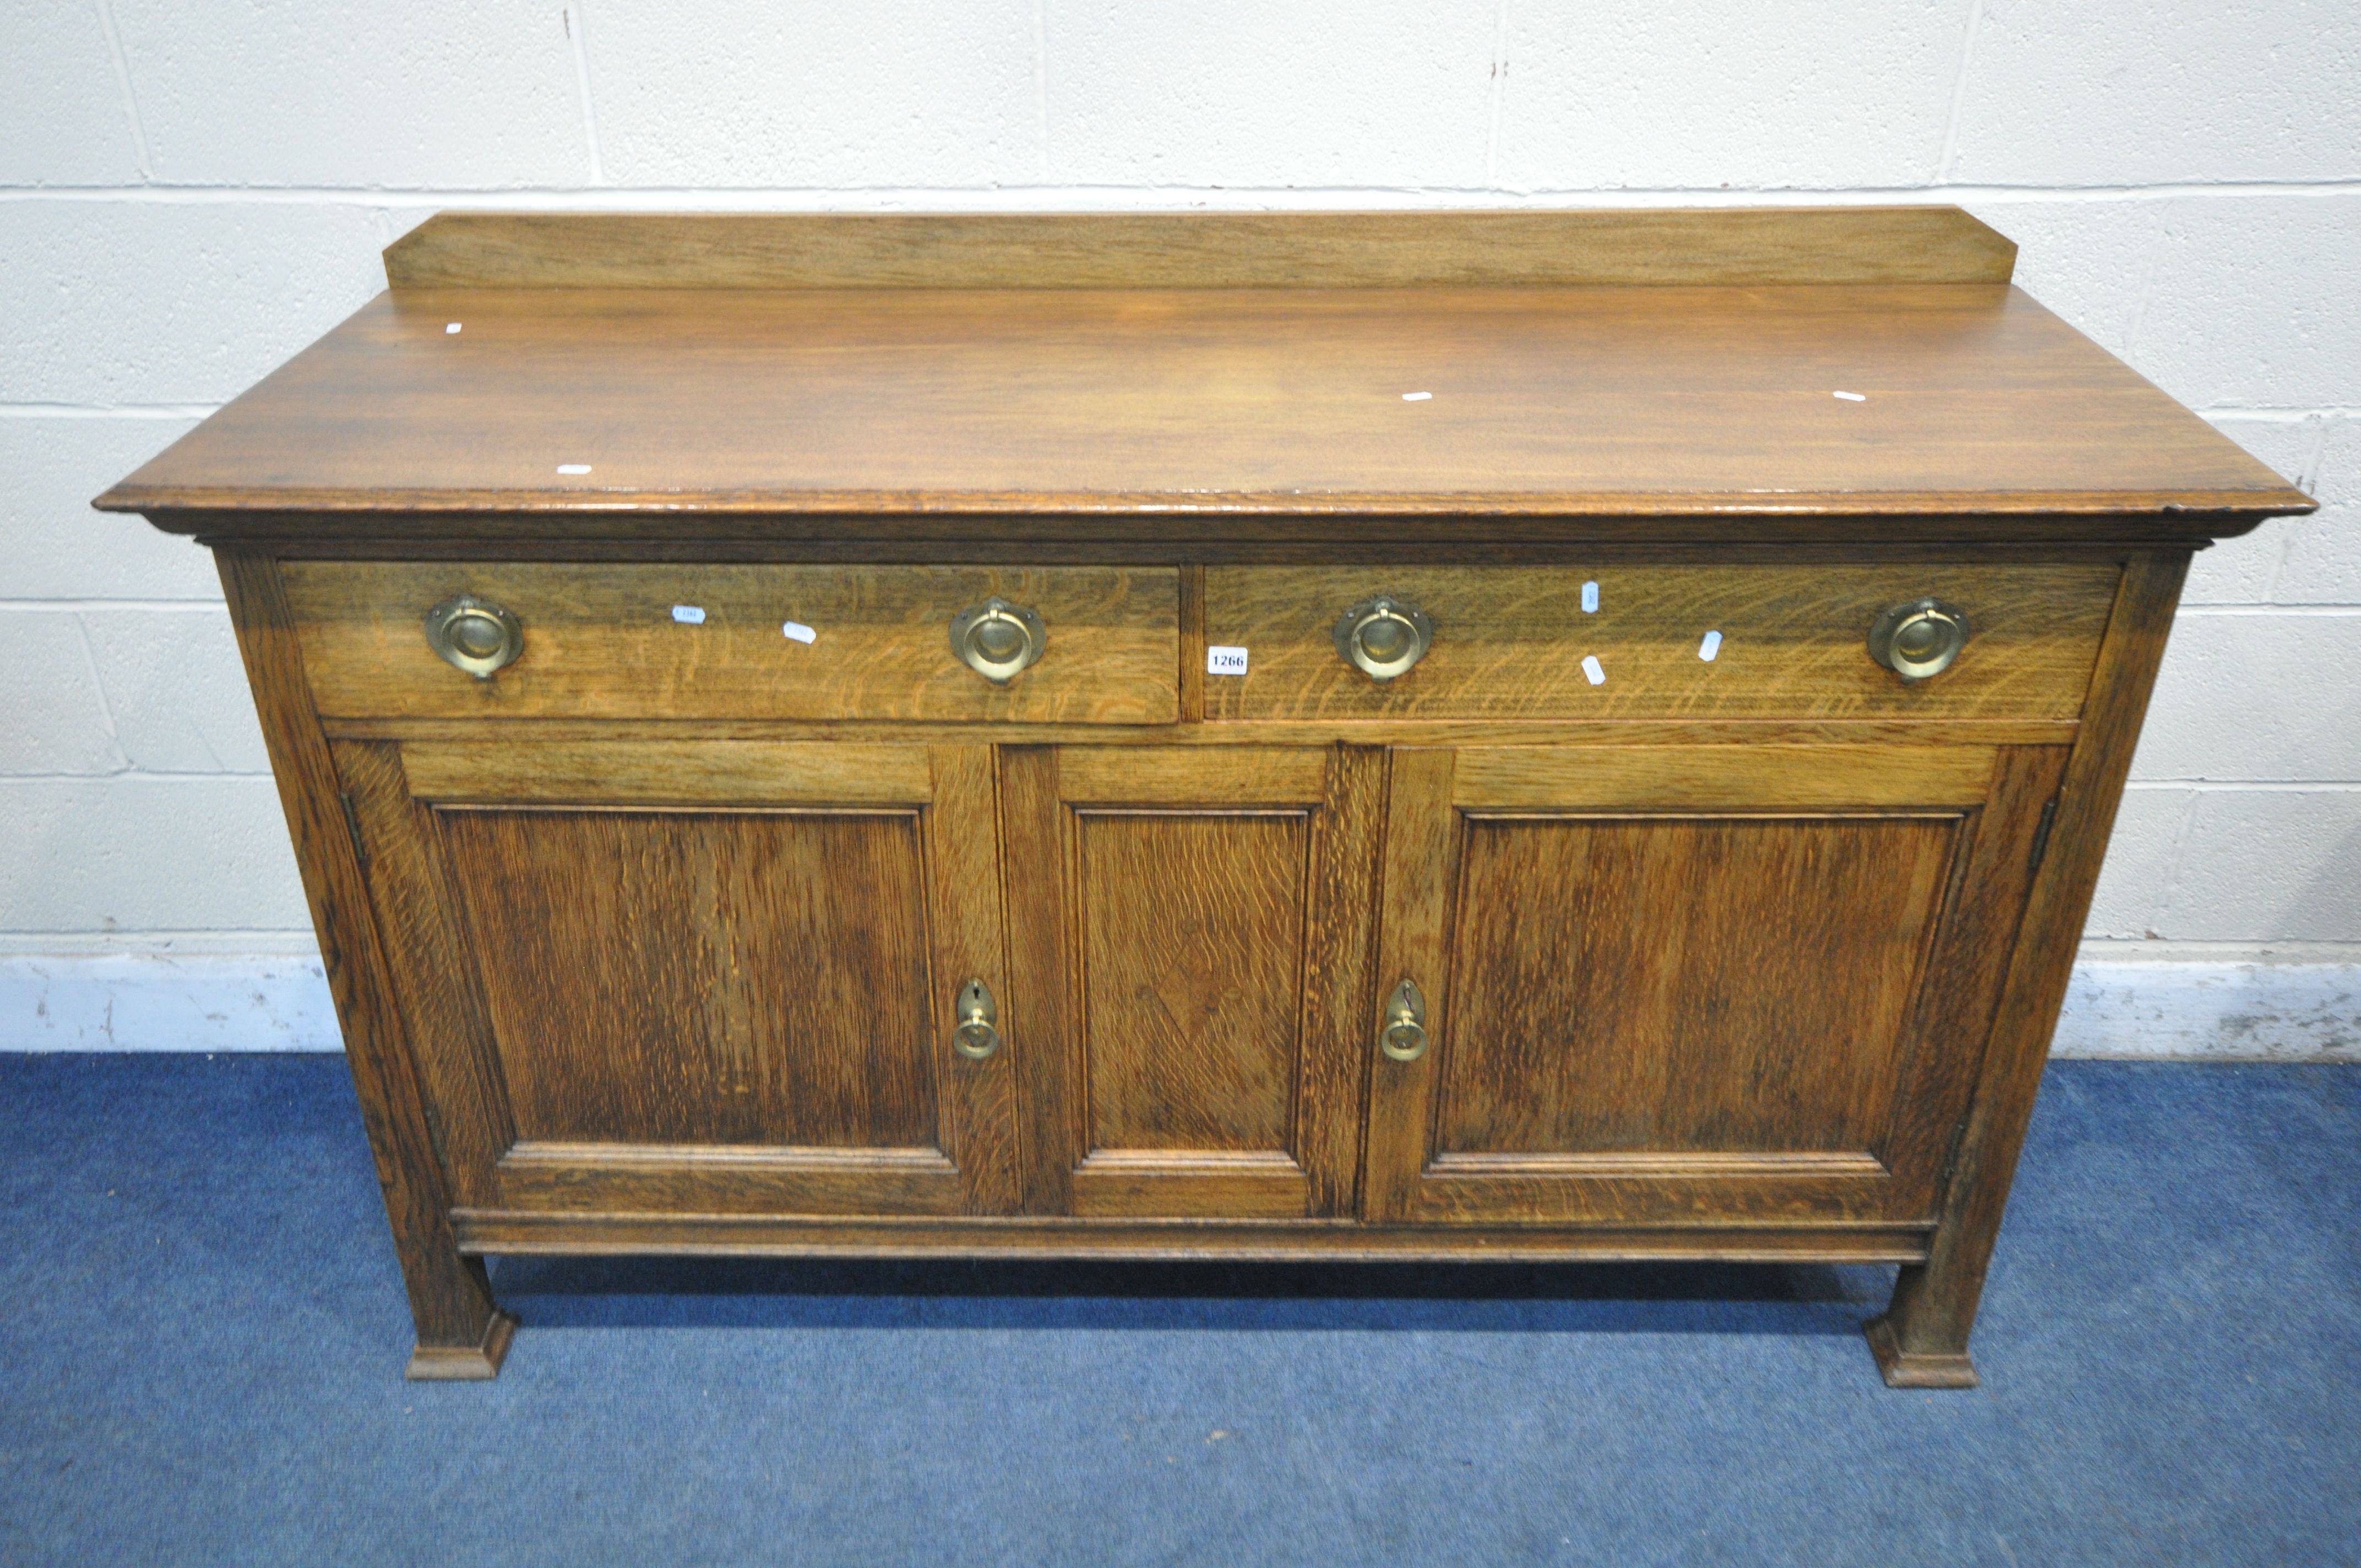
978	1035
475	635
1383	637
996	639
1919	639
1404	1036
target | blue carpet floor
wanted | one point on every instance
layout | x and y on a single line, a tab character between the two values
201	1358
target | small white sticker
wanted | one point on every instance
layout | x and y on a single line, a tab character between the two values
449	327
689	614
798	633
1590	599
574	467
1226	661
1591	672
1854	397
1710	648
1416	397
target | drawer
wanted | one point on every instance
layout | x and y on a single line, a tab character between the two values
604	641
1512	642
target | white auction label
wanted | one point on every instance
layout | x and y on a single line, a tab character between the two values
1226	661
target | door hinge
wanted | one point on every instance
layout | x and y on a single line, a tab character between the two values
2042	834
353	827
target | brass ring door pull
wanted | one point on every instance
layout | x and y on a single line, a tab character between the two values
1919	639
475	635
1383	637
978	1035
1404	1037
996	639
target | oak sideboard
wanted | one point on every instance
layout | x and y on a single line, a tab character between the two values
1450	735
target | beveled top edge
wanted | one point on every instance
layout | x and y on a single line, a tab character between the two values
1738	245
2252	506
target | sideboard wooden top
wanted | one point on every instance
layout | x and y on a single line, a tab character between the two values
885	370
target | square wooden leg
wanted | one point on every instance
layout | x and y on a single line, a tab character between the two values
1905	1365
465	1364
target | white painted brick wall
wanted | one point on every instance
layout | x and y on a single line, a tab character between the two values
62	122
352	92
189	194
753	94
1247	93
142	856
1700	97
52	546
2159	92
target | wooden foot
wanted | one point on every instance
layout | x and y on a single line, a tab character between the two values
1916	1369
465	1364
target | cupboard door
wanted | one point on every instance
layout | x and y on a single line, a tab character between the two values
700	977
1190	930
1711	985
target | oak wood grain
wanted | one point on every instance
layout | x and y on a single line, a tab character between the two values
1340	976
1213	1184
723	1180
1509	641
1134	411
1229	776
602	642
1289	736
965	901
462	1333
1315	534
1767	1241
1922	1338
705	978
1965	971
430	969
1210	965
1926	244
1716	917
1193	945
1422	845
1675	985
1193	644
614	771
1578	1196
1762	778
1039	1009
1658	1163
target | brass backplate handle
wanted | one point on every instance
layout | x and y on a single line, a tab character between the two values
1919	639
996	639
978	1035
1404	1037
1383	637
475	635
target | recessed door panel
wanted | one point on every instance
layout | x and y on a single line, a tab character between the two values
1192	977
1685	983
704	977
727	984
1710	1009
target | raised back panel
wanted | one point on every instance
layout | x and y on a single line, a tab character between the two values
703	978
1192	930
1198	250
1680	985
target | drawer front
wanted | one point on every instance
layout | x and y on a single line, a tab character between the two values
1512	643
626	642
